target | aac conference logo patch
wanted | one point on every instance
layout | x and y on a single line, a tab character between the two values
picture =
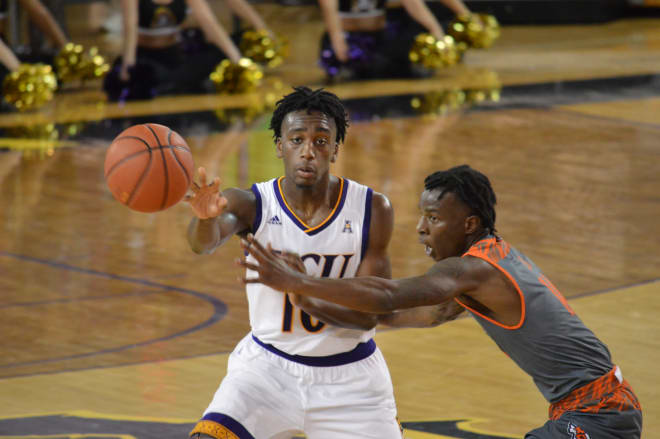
81	425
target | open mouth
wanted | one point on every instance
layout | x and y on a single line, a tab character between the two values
428	250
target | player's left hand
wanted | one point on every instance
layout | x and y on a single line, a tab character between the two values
273	270
294	261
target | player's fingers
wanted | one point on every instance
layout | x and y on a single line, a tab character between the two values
202	176
250	280
252	249
215	184
249	265
255	244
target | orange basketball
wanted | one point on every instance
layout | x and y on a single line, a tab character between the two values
148	167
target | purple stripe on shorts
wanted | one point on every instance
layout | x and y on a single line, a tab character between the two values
361	351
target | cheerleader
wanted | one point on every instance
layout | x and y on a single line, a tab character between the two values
359	43
158	57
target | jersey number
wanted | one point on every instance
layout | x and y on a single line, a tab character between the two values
307	320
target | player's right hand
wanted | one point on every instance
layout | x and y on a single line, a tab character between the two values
206	200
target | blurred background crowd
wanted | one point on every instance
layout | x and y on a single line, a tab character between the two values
140	49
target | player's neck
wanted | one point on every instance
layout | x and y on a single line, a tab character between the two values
474	238
307	201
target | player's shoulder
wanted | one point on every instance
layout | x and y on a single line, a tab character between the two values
380	203
241	202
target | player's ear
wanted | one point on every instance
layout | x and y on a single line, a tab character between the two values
278	147
333	158
472	224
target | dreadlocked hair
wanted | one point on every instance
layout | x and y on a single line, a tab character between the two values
304	98
472	187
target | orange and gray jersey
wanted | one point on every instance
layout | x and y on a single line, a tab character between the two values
549	342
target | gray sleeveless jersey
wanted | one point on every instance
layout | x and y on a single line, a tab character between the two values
550	342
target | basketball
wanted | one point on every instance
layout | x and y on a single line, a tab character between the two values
148	167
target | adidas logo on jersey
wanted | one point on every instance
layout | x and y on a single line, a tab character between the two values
275	220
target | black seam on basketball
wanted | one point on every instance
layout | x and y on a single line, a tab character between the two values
141	180
124	160
176	157
134	138
154	133
166	189
183	168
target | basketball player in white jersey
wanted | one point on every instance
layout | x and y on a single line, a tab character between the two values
311	367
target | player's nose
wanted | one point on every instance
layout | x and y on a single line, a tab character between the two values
421	227
307	150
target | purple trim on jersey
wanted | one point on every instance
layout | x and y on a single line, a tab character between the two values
229	422
297	222
361	351
366	225
257	216
280	199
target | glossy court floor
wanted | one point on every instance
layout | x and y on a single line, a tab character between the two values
112	328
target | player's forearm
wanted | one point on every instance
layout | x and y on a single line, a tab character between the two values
366	294
423	316
338	315
204	235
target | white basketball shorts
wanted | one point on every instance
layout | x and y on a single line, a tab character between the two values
267	396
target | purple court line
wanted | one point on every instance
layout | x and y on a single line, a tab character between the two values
219	308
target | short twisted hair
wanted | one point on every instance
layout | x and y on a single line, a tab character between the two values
472	187
304	98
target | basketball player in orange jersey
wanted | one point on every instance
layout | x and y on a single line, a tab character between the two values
311	366
517	306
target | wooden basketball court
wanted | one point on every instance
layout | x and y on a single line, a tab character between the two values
112	328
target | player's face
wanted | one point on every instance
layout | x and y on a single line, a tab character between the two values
307	146
442	227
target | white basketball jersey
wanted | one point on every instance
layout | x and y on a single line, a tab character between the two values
334	248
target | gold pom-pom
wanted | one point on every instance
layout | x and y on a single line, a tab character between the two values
29	87
475	30
438	102
254	104
74	63
241	77
479	96
433	54
94	65
68	62
263	49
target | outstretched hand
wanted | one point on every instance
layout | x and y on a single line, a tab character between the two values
294	261
206	200
278	271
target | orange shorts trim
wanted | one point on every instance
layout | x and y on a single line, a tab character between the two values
213	429
604	393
